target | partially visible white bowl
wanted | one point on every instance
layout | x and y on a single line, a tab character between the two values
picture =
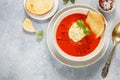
83	58
114	5
46	16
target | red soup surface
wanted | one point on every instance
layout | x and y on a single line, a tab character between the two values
78	49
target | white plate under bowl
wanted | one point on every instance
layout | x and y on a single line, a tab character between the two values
46	16
57	54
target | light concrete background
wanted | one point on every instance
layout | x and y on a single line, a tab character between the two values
22	57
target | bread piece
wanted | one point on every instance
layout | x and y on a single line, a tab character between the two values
39	7
96	22
27	25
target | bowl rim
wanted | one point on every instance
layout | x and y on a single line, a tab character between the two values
60	58
45	16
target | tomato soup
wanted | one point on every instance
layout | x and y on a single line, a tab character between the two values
78	49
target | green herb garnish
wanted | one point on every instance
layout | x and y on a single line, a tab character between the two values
86	31
82	25
72	1
40	35
65	1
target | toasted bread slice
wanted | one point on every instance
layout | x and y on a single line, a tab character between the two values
27	25
96	22
39	7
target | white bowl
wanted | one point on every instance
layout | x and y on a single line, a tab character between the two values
61	55
46	16
83	58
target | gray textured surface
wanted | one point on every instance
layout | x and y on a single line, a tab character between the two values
24	58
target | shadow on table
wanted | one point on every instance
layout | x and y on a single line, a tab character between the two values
29	33
69	73
109	16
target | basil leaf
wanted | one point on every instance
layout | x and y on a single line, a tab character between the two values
86	31
65	1
40	35
72	1
80	23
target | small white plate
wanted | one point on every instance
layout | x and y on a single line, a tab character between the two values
46	16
